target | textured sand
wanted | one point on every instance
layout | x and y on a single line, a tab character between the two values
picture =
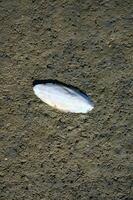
49	155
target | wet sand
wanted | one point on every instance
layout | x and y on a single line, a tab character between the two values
49	155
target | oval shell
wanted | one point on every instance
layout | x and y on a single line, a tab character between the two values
63	98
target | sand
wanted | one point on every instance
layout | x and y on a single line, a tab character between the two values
49	155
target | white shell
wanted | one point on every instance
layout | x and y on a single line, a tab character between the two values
63	98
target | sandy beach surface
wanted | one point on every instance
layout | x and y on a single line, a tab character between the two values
49	155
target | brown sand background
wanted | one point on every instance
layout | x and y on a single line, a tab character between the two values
49	155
